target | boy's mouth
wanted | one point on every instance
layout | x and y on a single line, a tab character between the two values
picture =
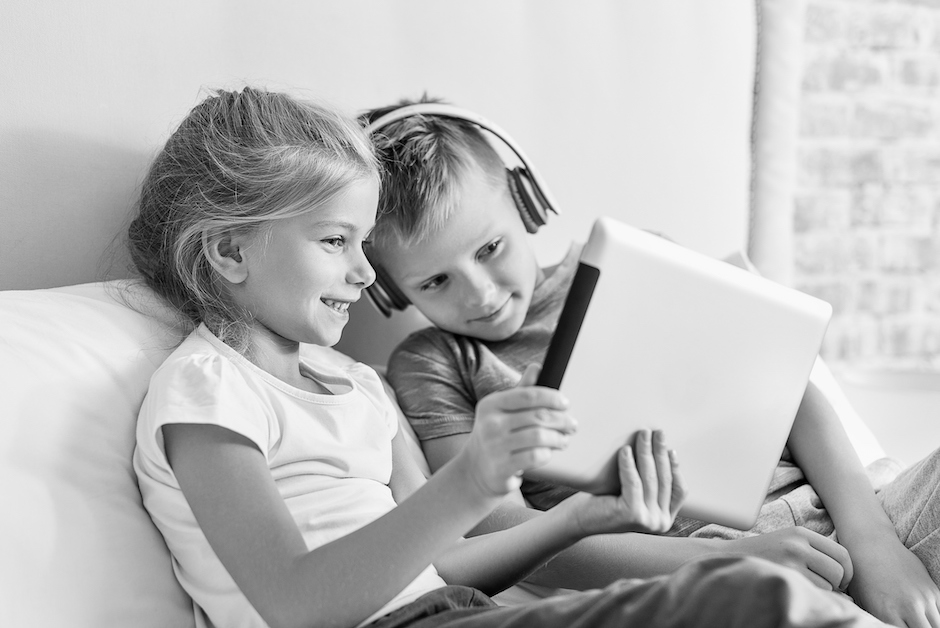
339	306
492	315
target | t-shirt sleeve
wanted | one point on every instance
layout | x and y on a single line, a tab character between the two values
207	390
428	377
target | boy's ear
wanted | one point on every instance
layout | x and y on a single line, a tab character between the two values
225	253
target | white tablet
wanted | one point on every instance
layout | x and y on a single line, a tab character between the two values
654	335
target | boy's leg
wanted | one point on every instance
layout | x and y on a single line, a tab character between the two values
715	591
912	502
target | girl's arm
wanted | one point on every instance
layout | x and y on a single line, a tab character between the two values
229	487
889	581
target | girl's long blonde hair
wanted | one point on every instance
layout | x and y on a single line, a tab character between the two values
240	160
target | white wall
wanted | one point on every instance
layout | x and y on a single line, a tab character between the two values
635	109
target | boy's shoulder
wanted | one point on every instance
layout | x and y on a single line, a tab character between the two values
429	341
435	350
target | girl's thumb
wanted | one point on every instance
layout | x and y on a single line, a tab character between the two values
530	375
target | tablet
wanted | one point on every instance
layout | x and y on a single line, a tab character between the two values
654	335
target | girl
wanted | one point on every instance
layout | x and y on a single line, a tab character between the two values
281	484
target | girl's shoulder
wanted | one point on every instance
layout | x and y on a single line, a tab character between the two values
198	383
201	360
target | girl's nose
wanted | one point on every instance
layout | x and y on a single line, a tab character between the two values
361	271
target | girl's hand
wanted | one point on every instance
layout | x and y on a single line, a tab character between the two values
823	561
515	430
893	585
651	492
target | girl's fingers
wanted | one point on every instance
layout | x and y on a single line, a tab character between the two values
528	398
529	376
535	438
541	418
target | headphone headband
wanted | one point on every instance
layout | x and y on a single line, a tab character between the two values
450	111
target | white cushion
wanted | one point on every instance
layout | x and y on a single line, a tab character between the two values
81	550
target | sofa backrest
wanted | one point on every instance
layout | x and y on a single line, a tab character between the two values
74	367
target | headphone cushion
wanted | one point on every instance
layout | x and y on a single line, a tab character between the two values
530	210
385	289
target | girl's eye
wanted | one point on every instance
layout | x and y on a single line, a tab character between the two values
335	242
434	283
490	249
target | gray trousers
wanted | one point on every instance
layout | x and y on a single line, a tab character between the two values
910	497
711	592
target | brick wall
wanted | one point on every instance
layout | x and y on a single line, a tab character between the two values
867	206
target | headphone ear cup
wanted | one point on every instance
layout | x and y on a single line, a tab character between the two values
379	299
384	294
531	210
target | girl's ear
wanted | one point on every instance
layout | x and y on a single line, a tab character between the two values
225	253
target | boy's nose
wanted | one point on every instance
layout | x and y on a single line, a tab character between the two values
482	291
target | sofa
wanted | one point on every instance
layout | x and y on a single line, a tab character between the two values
79	548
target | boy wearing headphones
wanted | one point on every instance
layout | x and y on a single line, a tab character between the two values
451	238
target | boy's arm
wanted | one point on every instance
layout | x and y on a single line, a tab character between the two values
889	581
597	561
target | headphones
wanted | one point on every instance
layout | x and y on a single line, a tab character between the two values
528	190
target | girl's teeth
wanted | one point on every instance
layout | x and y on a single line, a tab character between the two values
340	306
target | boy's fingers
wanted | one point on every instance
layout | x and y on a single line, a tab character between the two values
663	471
646	466
837	553
630	482
679	489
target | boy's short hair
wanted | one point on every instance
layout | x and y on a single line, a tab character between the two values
422	159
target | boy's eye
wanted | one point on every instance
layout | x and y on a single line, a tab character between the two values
433	283
490	248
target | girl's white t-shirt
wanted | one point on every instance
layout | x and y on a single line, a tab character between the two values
330	455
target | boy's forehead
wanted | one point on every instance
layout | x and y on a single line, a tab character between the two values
481	210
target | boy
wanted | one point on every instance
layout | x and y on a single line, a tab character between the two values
451	238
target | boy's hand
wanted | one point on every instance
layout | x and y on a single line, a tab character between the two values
822	560
892	584
516	430
651	491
